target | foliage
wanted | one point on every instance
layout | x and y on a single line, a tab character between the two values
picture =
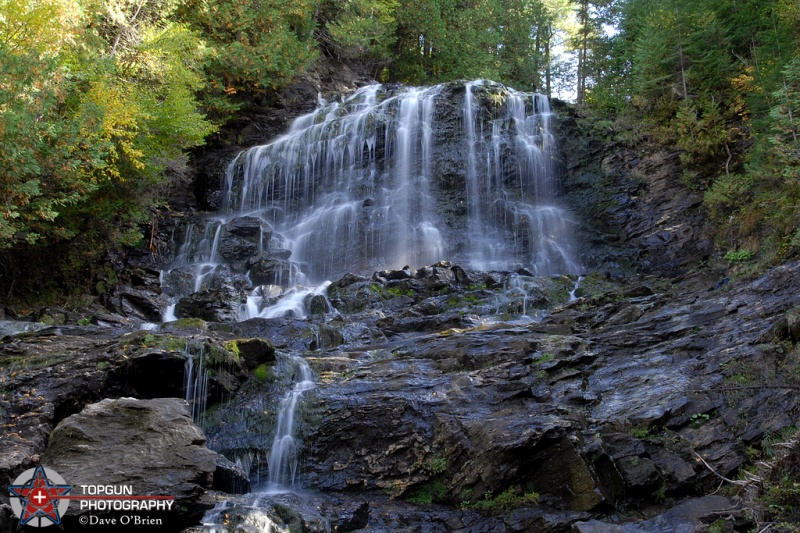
698	419
738	256
43	165
253	45
719	79
429	493
430	41
98	105
504	502
263	373
362	30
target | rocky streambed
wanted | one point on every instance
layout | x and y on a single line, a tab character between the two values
446	400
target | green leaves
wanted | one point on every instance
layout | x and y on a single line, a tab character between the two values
362	27
96	100
253	45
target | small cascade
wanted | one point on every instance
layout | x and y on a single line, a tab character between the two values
195	379
169	313
283	459
292	303
250	518
572	293
514	300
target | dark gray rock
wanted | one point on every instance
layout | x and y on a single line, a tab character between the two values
214	305
268	270
150	445
253	228
236	250
317	304
230	477
353	518
254	352
691	516
139	303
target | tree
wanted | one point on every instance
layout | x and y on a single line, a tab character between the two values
98	106
253	45
43	165
591	16
362	30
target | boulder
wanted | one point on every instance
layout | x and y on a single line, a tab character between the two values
215	305
254	352
267	270
236	250
141	303
249	227
151	446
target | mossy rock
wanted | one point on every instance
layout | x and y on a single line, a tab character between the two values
252	352
185	324
263	373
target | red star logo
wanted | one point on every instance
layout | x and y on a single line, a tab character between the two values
39	497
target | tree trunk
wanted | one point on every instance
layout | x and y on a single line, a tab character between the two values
583	15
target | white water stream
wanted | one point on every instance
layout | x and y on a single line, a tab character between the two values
283	459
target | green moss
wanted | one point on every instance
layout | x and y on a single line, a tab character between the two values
49	320
220	354
233	347
35	362
187	323
470	298
263	373
173	344
399	291
504	502
429	493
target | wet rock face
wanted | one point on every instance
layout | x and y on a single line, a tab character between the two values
596	404
636	214
603	403
150	445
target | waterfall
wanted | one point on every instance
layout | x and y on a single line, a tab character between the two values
195	379
283	458
573	293
390	176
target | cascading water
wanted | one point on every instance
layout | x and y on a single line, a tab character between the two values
195	380
283	458
573	293
382	180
